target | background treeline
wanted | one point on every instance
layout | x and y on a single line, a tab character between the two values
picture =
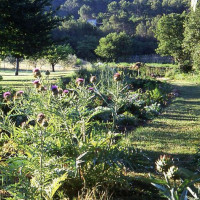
94	29
136	18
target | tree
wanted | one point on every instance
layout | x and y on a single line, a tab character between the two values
114	46
70	7
191	33
191	36
86	46
25	28
113	7
169	33
82	36
85	12
57	53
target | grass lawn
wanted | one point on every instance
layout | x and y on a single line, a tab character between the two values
25	78
177	130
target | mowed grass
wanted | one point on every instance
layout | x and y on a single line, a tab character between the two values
25	78
177	130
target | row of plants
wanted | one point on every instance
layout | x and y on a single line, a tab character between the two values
59	141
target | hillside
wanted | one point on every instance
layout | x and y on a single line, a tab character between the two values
137	18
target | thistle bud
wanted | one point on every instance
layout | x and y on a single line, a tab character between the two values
40	118
42	88
19	93
91	89
93	79
36	73
79	81
54	89
47	73
65	92
37	84
117	77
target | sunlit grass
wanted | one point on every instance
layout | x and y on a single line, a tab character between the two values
177	130
26	78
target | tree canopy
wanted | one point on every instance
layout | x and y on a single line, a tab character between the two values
25	27
169	33
57	53
114	46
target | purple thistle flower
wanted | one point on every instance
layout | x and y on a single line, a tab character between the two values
36	82
91	88
20	92
6	95
65	91
79	80
54	87
36	70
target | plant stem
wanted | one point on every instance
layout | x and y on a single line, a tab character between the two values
41	162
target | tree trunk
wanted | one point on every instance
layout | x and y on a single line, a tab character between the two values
53	67
17	67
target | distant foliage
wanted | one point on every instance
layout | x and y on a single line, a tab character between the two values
136	18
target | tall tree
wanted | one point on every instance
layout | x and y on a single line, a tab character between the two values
25	27
191	36
169	33
191	33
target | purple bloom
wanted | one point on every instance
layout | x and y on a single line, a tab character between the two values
36	70
36	73
79	80
91	88
36	82
20	92
54	87
65	91
6	95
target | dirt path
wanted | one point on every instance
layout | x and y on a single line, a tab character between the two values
177	129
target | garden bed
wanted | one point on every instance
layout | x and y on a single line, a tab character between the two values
59	140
